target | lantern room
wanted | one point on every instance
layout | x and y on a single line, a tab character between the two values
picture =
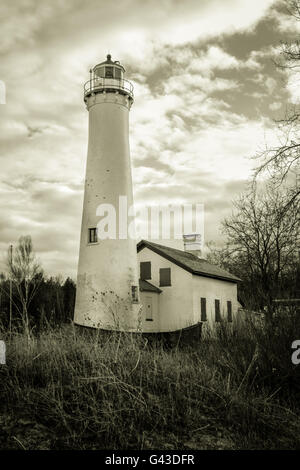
108	77
109	69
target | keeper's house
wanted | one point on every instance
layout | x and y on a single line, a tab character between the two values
179	290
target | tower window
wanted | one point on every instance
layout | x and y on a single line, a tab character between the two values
145	270
217	310
203	309
165	277
93	235
229	311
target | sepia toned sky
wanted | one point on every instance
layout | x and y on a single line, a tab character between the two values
206	95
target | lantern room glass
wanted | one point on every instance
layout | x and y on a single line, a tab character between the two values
108	71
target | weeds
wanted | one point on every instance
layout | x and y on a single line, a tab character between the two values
74	389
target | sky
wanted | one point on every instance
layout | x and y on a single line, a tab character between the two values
206	96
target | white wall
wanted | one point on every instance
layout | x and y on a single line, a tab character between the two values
146	325
108	269
175	303
213	289
179	305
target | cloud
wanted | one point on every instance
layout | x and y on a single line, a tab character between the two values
270	84
213	58
191	132
283	15
275	106
293	86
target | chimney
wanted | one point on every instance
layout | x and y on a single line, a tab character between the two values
193	244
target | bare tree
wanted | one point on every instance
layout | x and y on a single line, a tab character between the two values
26	274
263	240
283	160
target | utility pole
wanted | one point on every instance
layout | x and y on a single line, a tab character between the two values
10	287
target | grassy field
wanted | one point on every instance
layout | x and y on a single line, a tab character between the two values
73	389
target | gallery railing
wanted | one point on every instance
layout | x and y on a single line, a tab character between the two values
98	85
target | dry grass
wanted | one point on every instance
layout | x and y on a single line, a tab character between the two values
71	389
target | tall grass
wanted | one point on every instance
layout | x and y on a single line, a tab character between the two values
74	389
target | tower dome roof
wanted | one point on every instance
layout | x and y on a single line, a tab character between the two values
108	61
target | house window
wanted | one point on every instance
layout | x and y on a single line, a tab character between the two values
203	309
217	310
93	235
134	294
229	310
165	277
108	72
145	270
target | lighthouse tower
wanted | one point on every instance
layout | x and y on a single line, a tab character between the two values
107	280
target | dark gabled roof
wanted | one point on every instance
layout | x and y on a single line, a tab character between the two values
146	286
188	261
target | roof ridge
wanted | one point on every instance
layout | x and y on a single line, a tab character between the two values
186	253
189	261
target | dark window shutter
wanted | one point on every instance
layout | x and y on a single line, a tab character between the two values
145	268
229	310
203	309
165	277
217	310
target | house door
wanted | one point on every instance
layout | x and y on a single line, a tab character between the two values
149	313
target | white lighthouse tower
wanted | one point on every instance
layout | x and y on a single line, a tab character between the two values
107	280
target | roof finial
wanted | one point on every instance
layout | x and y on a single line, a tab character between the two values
108	57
